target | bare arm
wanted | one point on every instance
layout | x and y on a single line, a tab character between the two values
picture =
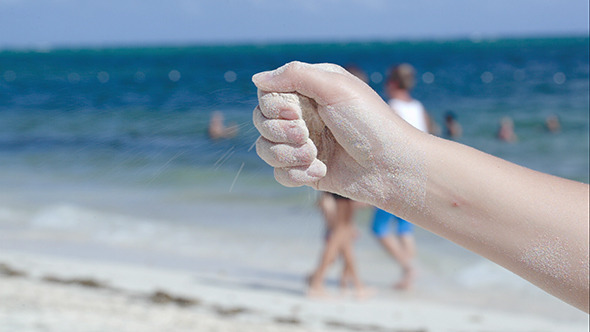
534	224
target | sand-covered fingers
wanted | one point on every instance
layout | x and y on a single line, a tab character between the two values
286	155
279	130
275	105
302	175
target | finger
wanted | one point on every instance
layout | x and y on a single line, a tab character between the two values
302	175
285	155
279	105
315	81
280	131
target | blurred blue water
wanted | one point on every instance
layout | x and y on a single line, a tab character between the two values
139	115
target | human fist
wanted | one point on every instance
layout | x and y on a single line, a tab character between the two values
291	132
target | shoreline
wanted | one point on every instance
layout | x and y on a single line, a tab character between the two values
48	293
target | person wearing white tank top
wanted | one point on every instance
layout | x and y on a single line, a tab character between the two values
412	111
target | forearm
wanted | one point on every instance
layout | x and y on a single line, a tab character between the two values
534	224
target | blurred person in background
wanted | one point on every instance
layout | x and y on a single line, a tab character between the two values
552	124
218	129
506	130
453	128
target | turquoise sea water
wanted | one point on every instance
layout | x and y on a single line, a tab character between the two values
140	114
108	147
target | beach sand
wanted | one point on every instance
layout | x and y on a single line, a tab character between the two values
49	293
123	260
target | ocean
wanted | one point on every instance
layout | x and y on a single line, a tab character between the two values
104	152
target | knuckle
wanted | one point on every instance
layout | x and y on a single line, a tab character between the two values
257	117
308	153
296	131
294	65
263	148
285	177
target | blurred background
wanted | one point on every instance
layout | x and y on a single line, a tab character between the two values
105	108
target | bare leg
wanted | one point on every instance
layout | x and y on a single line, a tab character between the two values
361	291
349	273
346	279
409	244
327	205
340	235
328	256
348	276
409	271
403	250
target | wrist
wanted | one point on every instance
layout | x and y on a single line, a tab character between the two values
404	176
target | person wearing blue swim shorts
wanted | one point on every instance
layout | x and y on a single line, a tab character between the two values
401	245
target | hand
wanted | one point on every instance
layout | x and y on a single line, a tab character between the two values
367	152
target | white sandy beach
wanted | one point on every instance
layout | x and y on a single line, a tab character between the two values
50	295
72	268
136	259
